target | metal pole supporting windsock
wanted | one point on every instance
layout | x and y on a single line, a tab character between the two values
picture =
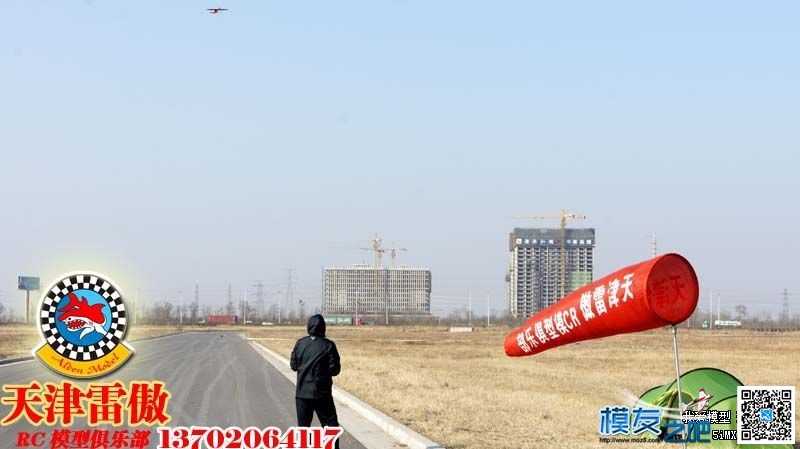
678	374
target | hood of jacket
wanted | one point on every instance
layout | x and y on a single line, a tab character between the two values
316	326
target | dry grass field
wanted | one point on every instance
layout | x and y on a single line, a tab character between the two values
462	391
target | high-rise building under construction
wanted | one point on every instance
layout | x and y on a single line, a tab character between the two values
365	290
535	279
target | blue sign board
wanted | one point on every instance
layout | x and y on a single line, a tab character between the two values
28	283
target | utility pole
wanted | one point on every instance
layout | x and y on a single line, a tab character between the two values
180	305
470	307
383	288
718	301
785	311
358	293
488	311
711	309
385	299
196	305
289	293
230	300
27	283
244	319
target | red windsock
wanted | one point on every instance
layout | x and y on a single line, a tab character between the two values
654	293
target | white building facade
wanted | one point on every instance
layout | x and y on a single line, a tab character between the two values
404	290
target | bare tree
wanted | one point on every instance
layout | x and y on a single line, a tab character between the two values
193	310
741	312
162	312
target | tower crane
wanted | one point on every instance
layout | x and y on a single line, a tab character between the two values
376	247
394	249
564	217
379	250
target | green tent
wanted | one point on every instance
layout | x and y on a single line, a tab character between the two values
715	382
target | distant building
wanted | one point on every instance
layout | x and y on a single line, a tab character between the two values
533	280
406	290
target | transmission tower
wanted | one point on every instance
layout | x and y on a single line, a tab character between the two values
259	286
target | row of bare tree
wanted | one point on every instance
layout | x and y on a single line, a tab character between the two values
165	312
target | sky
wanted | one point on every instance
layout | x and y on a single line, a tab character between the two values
166	147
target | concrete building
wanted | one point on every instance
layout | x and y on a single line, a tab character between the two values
406	290
533	280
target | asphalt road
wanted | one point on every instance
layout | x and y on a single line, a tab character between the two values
215	378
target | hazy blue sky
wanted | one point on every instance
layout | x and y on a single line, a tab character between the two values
165	146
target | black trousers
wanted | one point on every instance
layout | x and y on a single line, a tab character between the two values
325	409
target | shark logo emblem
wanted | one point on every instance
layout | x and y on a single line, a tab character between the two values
83	322
78	314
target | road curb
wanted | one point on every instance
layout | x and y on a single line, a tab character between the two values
393	428
15	360
398	431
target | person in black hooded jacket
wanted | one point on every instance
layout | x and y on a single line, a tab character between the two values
316	361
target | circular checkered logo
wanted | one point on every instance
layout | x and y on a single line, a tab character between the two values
83	321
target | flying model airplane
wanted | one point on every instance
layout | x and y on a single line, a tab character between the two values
216	10
701	401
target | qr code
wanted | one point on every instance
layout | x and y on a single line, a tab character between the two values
765	415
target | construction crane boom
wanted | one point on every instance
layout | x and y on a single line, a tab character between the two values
378	249
376	246
564	218
394	249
